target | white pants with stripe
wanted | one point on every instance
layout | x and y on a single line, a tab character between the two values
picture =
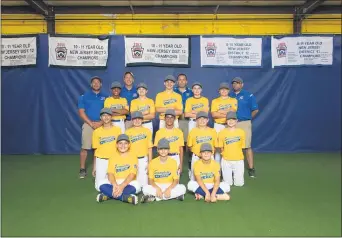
120	123
192	124
149	126
162	124
142	171
218	128
133	183
177	191
193	186
101	166
233	172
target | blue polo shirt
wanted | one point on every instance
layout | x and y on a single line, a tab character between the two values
92	103
185	95
246	104
129	95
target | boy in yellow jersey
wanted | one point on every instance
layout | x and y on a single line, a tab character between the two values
103	142
121	183
168	100
174	136
118	105
231	140
141	145
199	135
145	105
207	172
219	108
195	104
163	177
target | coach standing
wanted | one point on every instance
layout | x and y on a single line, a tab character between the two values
247	110
89	108
129	92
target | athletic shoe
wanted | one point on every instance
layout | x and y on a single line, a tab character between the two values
224	197
180	198
131	198
251	173
83	173
198	196
101	197
147	198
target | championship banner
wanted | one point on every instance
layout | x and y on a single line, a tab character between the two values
78	52
18	51
159	51
309	50
231	52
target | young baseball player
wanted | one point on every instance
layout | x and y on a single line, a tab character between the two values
163	177
219	108
174	136
207	173
122	170
118	105
103	142
168	100
231	140
195	104
145	105
141	145
199	135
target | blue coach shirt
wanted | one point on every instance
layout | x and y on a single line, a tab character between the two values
246	104
92	103
129	95
185	95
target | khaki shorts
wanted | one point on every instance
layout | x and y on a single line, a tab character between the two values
128	124
247	127
184	126
87	134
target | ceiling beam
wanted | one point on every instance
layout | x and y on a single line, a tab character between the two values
49	15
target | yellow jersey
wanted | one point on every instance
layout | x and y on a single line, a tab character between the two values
232	142
146	105
122	166
104	141
207	172
116	103
141	140
174	136
198	136
223	104
170	100
197	104
163	172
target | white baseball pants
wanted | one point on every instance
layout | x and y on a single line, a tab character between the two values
142	171
176	158
192	124
120	123
194	159
233	172
193	186
133	183
101	166
177	191
218	128
162	124
149	126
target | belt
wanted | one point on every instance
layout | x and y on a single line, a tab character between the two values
118	120
141	157
102	158
191	119
172	154
220	123
144	122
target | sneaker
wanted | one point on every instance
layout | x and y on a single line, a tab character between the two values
180	198
83	173
131	198
251	173
147	198
101	197
224	197
198	196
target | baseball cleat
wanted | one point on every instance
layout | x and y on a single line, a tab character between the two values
101	197
223	197
131	198
180	198
251	173
147	198
83	173
198	196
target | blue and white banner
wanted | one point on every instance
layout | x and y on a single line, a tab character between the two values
231	52
296	51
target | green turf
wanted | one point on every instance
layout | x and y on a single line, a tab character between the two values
294	195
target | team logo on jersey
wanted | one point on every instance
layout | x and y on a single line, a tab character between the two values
232	140
104	140
197	106
224	106
203	139
169	101
210	49
116	106
241	98
137	51
121	168
162	174
206	175
138	137
173	139
135	95
61	51
281	50
143	108
102	98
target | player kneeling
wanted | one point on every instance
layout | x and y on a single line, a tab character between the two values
207	174
163	177
122	169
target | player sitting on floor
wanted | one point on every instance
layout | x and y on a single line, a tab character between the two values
163	177
122	169
207	174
